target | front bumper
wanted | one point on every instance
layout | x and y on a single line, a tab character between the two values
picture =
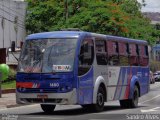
52	98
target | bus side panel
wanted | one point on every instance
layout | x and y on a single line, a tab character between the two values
100	76
113	83
145	81
85	95
121	82
142	78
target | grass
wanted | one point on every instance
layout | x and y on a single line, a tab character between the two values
9	85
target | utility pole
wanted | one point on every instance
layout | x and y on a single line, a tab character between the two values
2	24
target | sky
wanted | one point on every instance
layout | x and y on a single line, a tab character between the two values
152	6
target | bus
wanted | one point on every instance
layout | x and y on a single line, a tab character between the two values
81	68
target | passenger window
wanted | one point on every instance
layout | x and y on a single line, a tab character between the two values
113	53
86	56
146	50
143	58
138	49
101	52
123	54
133	56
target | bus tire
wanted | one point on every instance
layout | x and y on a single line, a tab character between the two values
48	108
124	103
99	106
134	100
131	103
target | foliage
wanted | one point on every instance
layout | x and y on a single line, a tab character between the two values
9	85
154	66
12	74
114	17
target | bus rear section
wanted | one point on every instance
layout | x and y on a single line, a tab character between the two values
122	65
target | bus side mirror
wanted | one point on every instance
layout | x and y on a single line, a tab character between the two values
13	46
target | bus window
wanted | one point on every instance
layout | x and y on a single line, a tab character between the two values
146	56
113	53
133	57
101	52
143	58
146	51
138	50
86	56
123	54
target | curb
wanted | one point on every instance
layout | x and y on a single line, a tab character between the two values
14	105
8	91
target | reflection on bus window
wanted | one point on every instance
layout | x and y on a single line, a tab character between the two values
101	52
86	56
113	52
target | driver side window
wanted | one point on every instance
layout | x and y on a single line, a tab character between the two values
86	56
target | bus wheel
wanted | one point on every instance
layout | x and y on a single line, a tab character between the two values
48	108
134	100
99	106
131	103
124	103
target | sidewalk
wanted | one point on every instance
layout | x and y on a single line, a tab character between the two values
7	100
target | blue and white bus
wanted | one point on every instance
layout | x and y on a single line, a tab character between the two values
81	68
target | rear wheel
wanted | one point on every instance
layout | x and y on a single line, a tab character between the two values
124	103
48	108
134	100
131	103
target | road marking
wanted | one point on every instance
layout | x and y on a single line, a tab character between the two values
44	118
98	119
150	110
150	99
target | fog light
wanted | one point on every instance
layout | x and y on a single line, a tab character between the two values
19	89
23	89
68	87
62	89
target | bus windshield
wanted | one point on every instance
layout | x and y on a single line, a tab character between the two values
48	55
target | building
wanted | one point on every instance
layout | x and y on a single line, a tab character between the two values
12	27
155	20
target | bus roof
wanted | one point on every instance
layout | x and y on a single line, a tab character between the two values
76	34
55	34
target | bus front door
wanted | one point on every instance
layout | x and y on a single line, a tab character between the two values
85	72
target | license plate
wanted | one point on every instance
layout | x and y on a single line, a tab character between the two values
42	96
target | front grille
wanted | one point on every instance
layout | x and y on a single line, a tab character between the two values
37	90
36	100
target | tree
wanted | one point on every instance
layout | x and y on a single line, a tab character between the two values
113	17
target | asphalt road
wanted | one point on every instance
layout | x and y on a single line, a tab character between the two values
149	108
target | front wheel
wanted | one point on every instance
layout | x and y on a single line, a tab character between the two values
99	106
48	108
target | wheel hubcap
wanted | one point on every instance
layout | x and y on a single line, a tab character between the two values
100	99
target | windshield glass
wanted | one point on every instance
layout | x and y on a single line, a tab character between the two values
48	55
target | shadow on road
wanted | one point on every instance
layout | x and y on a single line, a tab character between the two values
79	111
